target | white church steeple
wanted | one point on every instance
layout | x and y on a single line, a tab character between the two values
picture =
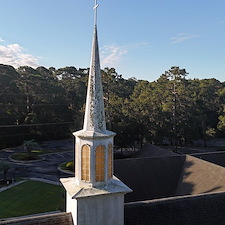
94	195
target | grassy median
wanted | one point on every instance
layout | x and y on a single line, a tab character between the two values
31	197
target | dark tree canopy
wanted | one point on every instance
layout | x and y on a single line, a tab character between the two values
49	103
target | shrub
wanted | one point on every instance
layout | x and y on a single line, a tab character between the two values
70	166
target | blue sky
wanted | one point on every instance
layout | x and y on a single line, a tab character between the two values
140	39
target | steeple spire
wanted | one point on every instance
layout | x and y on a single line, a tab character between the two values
94	113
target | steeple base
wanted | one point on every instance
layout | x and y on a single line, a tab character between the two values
95	206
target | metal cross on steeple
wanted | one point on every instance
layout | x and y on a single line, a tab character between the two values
95	10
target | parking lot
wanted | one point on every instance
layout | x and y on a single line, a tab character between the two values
44	169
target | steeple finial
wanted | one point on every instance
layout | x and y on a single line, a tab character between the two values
95	14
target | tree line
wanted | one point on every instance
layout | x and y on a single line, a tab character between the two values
47	104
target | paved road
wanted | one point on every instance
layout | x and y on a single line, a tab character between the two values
45	169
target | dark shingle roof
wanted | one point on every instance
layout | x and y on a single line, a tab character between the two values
50	219
166	176
213	157
150	178
206	209
199	177
150	150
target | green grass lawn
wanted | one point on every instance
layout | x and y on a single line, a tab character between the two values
31	197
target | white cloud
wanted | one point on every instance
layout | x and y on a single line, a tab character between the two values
15	55
1	40
181	37
112	55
